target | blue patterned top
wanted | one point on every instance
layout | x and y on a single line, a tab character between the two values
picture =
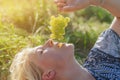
103	61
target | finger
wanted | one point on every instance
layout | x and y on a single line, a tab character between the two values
48	43
59	1
61	4
69	8
60	9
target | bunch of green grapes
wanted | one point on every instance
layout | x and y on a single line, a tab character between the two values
57	26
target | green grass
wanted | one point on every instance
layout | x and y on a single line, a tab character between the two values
26	24
12	40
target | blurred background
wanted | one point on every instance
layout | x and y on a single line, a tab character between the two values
25	23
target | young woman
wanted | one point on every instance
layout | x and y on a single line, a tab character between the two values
51	61
103	61
55	61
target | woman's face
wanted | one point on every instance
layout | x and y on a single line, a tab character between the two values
53	54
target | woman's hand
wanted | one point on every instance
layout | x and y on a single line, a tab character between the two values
71	5
113	6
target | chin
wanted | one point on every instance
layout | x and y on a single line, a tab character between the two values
70	47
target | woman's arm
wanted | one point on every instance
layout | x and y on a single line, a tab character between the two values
116	25
71	5
113	6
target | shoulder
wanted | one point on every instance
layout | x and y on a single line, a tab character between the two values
109	43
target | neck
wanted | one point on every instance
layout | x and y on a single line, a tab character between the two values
76	72
116	25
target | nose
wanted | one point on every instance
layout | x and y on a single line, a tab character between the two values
49	43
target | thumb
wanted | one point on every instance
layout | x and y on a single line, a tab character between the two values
69	8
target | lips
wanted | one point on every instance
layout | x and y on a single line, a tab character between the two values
60	45
69	45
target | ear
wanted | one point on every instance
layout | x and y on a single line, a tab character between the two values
48	75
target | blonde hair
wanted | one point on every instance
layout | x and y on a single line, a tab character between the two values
22	68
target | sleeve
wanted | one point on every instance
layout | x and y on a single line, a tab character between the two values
109	43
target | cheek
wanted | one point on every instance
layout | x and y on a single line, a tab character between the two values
51	60
47	61
44	64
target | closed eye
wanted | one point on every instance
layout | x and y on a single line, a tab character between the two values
39	51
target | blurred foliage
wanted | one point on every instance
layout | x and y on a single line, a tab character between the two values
25	23
101	14
12	40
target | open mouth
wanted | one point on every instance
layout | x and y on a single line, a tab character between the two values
60	45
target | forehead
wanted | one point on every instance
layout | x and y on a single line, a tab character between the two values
36	48
33	57
41	46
